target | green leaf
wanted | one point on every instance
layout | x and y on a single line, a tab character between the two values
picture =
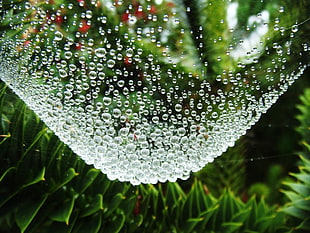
96	205
301	189
228	227
305	225
92	225
196	201
63	211
54	227
206	215
191	223
69	175
295	212
154	196
306	161
228	206
87	180
34	141
303	204
117	223
38	178
5	137
54	152
252	217
128	205
262	208
264	222
241	216
145	192
114	203
292	195
303	177
6	172
149	203
173	194
27	210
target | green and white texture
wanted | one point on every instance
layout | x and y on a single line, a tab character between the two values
148	91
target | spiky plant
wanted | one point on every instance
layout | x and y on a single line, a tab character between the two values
298	192
227	171
44	187
304	116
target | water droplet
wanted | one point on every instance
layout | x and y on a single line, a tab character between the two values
110	63
116	113
141	95
63	73
121	83
165	18
100	52
214	115
178	107
129	52
89	14
58	36
155	119
107	100
295	28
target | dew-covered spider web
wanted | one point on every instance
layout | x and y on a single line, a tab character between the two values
150	90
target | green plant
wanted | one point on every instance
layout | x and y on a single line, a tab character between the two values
99	71
298	191
199	211
44	187
227	171
298	207
304	116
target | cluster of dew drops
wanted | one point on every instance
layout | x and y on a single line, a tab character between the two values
125	87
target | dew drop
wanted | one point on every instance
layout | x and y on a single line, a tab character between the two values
58	36
107	100
295	28
140	91
129	52
178	107
100	52
116	113
63	73
110	63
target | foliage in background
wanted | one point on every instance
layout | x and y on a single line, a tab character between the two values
298	207
44	187
228	170
298	193
304	116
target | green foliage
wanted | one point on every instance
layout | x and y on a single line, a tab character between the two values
43	185
304	116
46	188
227	171
298	189
298	207
199	211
